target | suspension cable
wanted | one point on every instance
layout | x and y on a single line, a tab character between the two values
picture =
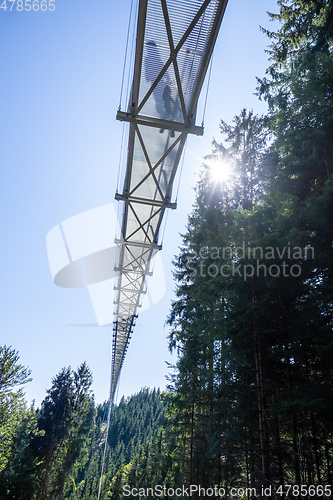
208	83
131	57
110	412
125	58
120	157
181	171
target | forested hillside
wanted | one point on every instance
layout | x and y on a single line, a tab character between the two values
250	399
134	425
56	451
41	449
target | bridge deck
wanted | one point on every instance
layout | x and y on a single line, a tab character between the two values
175	40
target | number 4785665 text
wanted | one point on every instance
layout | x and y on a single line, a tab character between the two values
27	5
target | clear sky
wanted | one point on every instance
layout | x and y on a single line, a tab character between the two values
59	155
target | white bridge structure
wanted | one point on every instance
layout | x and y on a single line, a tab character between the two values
174	44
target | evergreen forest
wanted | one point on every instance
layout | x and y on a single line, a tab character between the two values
249	401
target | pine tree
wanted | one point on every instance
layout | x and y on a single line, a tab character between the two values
65	419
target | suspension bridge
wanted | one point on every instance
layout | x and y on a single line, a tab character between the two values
174	44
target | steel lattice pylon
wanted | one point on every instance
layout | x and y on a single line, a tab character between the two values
175	40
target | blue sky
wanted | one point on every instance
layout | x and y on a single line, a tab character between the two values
59	154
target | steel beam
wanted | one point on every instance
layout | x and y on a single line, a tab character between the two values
206	59
132	271
139	244
145	201
159	123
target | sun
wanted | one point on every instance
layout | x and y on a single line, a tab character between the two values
220	170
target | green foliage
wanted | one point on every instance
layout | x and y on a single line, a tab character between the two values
252	389
44	446
133	432
250	398
12	375
299	92
65	419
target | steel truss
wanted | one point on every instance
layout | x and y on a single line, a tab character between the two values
175	40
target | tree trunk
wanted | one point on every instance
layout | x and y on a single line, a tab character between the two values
63	479
191	444
327	455
297	468
314	433
42	490
261	411
279	453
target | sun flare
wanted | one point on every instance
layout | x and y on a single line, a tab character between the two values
220	170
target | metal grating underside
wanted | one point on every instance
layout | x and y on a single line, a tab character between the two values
175	39
156	54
